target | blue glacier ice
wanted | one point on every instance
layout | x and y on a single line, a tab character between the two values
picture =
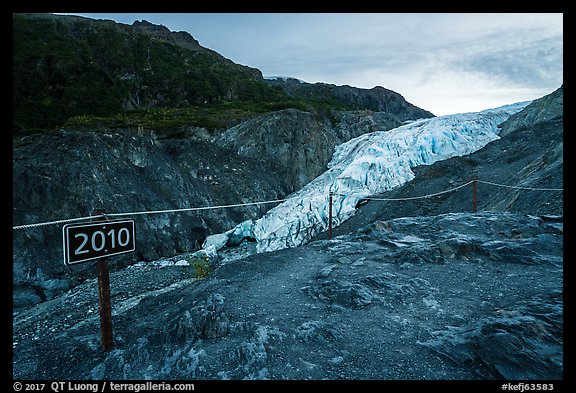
364	166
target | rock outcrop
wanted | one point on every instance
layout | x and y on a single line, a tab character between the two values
71	173
300	141
457	296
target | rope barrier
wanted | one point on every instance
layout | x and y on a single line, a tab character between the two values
521	188
57	222
144	212
419	197
266	202
193	208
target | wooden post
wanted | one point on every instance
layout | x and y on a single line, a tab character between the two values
474	195
104	299
330	217
104	303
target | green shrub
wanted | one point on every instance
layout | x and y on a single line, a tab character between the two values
201	266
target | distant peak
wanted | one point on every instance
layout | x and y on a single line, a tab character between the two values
161	32
145	24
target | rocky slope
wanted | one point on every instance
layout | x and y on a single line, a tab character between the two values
439	296
71	173
457	296
299	141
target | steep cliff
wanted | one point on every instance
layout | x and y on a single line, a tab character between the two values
300	141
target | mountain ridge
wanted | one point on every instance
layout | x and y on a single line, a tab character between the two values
378	98
72	71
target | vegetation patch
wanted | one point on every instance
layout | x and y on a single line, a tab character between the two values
75	72
201	266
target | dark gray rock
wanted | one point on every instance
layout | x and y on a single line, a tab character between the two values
373	316
301	142
343	293
70	174
523	341
546	110
318	331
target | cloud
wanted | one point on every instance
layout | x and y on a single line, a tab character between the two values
534	64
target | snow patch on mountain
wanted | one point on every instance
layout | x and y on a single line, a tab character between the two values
367	165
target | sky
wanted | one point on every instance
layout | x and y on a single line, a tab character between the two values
443	62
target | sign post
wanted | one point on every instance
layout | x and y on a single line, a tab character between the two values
104	299
96	241
104	303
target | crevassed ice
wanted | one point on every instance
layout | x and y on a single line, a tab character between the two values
369	164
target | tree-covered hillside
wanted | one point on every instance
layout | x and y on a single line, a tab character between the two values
76	72
67	66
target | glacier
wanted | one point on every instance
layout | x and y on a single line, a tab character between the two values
364	166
